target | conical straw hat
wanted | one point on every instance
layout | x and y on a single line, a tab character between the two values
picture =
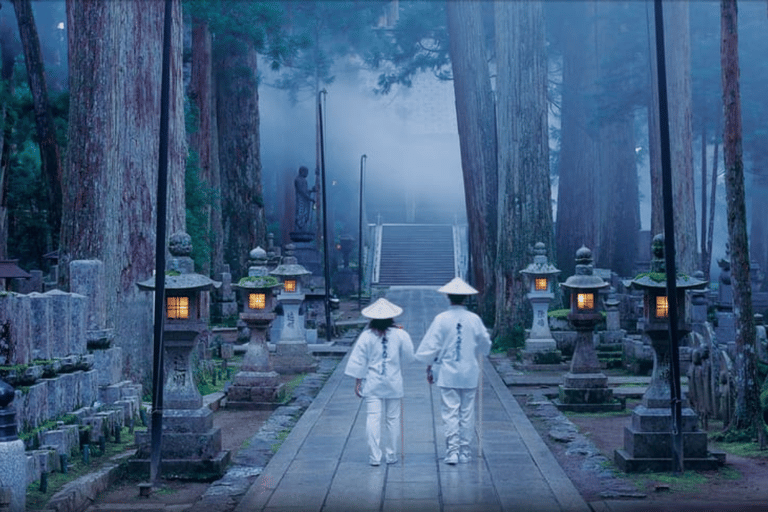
457	286
382	309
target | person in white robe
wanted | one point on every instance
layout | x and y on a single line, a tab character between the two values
376	363
454	342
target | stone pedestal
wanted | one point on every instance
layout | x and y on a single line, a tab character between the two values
13	460
256	385
648	438
306	252
585	387
291	351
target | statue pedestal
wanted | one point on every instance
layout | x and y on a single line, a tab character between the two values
256	385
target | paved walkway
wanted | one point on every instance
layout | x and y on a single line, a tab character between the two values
323	464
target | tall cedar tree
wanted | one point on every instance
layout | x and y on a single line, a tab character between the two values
747	411
110	181
524	197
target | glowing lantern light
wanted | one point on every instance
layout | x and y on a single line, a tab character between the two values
177	307
585	301
257	300
662	306
540	284
290	285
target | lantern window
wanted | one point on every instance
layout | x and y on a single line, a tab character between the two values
585	301
290	285
662	306
177	307
540	284
257	300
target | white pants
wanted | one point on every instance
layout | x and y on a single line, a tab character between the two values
391	409
458	411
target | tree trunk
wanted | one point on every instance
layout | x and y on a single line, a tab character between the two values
525	201
476	118
678	65
712	197
110	180
746	413
758	234
49	148
7	58
243	219
577	224
204	141
703	227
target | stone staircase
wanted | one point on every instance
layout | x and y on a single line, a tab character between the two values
416	254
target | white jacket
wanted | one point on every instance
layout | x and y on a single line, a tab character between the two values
383	376
456	338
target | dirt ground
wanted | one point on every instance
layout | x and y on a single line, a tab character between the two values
586	455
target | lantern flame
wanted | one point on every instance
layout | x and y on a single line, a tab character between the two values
177	307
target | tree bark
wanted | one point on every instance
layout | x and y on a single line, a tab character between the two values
577	185
49	147
476	119
703	227
678	65
204	140
110	178
524	195
243	219
746	413
712	198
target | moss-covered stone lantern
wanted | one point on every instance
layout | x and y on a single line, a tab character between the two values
648	439
256	385
585	386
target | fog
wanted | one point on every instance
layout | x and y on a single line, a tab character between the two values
412	169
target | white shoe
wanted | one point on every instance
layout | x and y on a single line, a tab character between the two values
464	458
391	459
452	458
374	462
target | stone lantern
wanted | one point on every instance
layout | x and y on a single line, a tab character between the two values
191	445
291	350
540	277
648	439
585	386
256	385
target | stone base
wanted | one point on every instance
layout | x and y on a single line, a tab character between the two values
540	345
630	464
587	392
648	442
186	469
548	359
255	390
292	356
307	254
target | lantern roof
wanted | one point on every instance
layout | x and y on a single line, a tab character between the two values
10	269
177	281
290	267
180	274
540	264
584	278
258	282
657	277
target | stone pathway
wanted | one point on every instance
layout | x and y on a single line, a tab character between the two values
323	463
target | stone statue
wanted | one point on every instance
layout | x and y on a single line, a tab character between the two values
304	200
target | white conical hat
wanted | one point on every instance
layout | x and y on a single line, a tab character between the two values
382	309
457	286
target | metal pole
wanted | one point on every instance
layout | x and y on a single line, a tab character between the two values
669	242
360	241
325	221
162	200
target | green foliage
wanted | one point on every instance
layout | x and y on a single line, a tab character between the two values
515	339
259	281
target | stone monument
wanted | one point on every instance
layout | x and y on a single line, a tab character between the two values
13	460
304	229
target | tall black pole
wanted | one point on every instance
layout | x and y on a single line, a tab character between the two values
360	241
162	195
325	221
669	242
